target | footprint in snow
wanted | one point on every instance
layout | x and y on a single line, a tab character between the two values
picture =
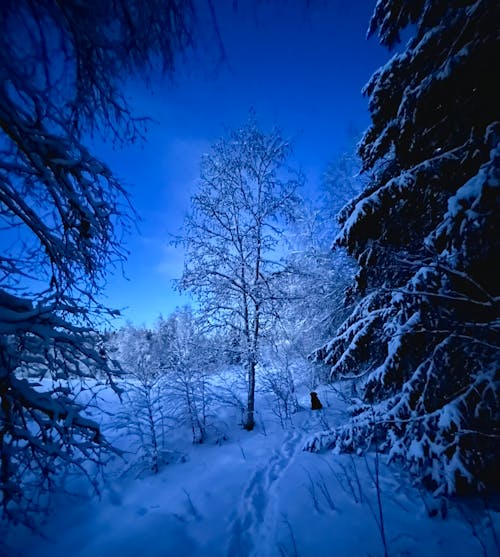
254	514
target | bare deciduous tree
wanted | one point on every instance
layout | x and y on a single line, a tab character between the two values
142	414
185	361
62	215
233	233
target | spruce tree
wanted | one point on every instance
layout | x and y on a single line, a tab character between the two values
423	339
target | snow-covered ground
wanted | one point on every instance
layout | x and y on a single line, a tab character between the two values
259	494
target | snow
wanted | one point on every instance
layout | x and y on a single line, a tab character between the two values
488	175
256	494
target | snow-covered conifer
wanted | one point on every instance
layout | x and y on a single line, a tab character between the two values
424	336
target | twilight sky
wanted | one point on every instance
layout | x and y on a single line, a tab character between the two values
300	67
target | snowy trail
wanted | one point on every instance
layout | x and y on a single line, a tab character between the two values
252	529
260	496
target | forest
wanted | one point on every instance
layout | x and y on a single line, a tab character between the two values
332	386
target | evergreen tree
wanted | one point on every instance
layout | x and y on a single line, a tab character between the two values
423	339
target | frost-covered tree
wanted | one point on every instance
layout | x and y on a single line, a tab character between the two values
341	181
246	193
43	426
164	385
424	336
312	300
186	363
316	277
63	65
277	379
142	413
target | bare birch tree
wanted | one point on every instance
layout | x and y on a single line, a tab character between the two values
232	236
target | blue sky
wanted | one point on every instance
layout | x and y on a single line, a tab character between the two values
300	67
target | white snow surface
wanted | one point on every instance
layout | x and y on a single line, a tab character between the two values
258	494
